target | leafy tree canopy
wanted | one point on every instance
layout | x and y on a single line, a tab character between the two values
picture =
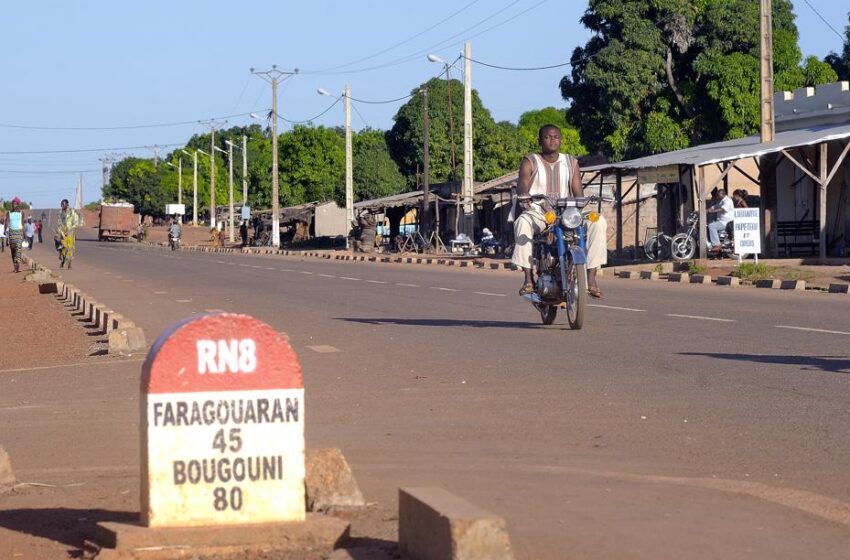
661	75
375	173
531	121
841	62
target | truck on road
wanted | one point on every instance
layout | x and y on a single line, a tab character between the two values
117	221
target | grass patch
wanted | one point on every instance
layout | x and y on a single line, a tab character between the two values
658	268
694	269
753	271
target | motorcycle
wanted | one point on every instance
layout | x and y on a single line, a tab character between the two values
684	246
173	242
560	262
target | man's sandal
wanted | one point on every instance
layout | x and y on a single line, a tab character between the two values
527	289
595	293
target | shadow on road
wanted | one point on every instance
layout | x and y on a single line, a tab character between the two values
833	364
443	323
66	526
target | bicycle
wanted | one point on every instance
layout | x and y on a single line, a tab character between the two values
67	250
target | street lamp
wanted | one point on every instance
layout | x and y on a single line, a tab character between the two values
212	172
438	60
194	185
349	161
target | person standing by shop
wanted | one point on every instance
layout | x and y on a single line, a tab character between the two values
38	229
15	232
3	235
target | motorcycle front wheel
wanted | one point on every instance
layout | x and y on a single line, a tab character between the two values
683	247
576	294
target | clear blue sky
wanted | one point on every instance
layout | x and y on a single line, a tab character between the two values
95	63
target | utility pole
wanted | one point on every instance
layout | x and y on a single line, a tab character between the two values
195	188
766	54
468	173
155	149
212	124
273	77
78	203
104	172
244	170
180	181
424	222
230	234
349	164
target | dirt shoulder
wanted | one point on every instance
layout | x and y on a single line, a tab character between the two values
37	330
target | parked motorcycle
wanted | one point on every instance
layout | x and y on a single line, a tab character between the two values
685	245
560	263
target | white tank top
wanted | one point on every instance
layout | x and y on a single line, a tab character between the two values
551	179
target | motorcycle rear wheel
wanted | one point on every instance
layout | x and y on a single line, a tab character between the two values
576	294
547	312
683	247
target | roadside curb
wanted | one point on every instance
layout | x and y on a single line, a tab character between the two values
458	262
123	336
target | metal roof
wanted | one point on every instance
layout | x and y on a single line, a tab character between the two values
751	146
411	198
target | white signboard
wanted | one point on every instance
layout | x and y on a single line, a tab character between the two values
172	209
747	231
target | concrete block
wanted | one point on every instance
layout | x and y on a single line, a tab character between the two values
792	285
494	266
771	283
329	481
732	281
434	524
839	288
319	533
7	476
127	341
700	279
648	275
628	274
683	277
48	287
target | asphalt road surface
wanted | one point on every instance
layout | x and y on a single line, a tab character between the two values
682	421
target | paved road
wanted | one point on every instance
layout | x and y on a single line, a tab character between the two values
682	421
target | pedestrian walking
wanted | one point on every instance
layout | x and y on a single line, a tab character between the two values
3	235
15	233
243	233
38	229
29	232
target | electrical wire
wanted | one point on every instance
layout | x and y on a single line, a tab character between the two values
517	68
368	102
129	127
400	43
419	53
356	110
332	105
823	19
84	150
50	172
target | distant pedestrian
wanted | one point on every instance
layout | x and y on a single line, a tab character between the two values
221	237
214	239
39	227
15	232
243	233
2	236
29	232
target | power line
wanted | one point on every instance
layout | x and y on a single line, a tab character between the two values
368	102
419	53
823	19
83	150
400	43
531	68
128	127
65	171
331	106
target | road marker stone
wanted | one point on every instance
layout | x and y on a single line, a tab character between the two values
222	425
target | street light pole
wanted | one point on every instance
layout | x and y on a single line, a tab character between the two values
468	170
230	234
349	159
273	77
244	170
213	124
195	188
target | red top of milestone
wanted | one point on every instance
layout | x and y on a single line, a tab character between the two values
220	352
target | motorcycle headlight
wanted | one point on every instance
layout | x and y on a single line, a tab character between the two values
571	218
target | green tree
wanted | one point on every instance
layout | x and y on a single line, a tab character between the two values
405	138
375	173
531	121
139	182
660	75
841	62
312	165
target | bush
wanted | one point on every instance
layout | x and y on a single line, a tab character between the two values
753	271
